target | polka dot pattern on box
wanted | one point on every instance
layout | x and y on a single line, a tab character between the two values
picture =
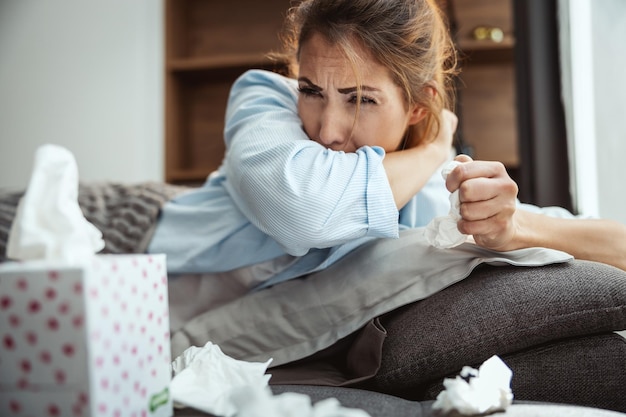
101	335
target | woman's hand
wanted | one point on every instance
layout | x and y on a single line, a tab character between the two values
488	202
489	213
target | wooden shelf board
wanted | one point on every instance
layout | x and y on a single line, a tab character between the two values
468	45
217	62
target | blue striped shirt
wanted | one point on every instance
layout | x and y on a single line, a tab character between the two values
279	195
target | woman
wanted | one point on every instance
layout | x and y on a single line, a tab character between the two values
350	151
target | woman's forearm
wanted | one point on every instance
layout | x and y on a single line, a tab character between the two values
589	239
409	170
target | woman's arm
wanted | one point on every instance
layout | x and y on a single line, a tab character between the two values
597	240
297	191
490	214
409	170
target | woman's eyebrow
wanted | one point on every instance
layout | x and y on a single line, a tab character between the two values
351	90
310	84
347	90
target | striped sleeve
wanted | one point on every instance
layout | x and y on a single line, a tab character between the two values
295	190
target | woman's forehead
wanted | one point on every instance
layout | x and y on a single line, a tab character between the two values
318	57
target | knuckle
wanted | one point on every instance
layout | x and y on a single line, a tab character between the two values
511	187
465	211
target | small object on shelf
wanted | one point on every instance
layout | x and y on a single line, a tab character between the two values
483	33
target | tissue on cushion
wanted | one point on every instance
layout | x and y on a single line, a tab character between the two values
498	311
594	373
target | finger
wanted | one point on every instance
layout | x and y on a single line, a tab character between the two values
481	189
475	169
462	158
481	210
487	209
486	230
486	169
475	227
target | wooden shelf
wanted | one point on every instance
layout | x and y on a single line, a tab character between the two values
208	45
468	44
486	91
218	62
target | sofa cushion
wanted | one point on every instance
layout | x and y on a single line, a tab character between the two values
498	311
588	371
594	373
300	317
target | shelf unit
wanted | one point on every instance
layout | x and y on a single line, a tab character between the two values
487	85
208	44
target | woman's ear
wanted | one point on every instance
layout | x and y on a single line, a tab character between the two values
418	113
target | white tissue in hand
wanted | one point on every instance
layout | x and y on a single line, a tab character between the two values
442	232
488	389
49	223
205	378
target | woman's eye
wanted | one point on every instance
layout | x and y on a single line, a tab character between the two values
364	100
308	92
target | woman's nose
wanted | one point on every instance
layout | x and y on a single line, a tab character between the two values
334	128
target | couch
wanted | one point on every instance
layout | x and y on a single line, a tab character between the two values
554	323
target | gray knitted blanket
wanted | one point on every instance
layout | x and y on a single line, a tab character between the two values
125	214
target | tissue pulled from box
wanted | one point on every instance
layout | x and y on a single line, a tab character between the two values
49	224
481	391
208	380
442	232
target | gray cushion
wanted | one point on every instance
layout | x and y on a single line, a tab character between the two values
498	311
300	317
594	373
588	371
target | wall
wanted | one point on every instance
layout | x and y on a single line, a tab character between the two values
87	76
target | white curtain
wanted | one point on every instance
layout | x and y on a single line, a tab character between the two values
593	63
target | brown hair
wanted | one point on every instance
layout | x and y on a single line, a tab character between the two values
409	37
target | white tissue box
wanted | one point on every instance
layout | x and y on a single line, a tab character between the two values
85	341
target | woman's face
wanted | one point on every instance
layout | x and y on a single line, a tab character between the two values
328	99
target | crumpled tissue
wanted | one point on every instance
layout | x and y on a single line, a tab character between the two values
49	224
481	391
208	380
205	377
442	232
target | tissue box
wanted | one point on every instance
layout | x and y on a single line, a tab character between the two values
88	340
